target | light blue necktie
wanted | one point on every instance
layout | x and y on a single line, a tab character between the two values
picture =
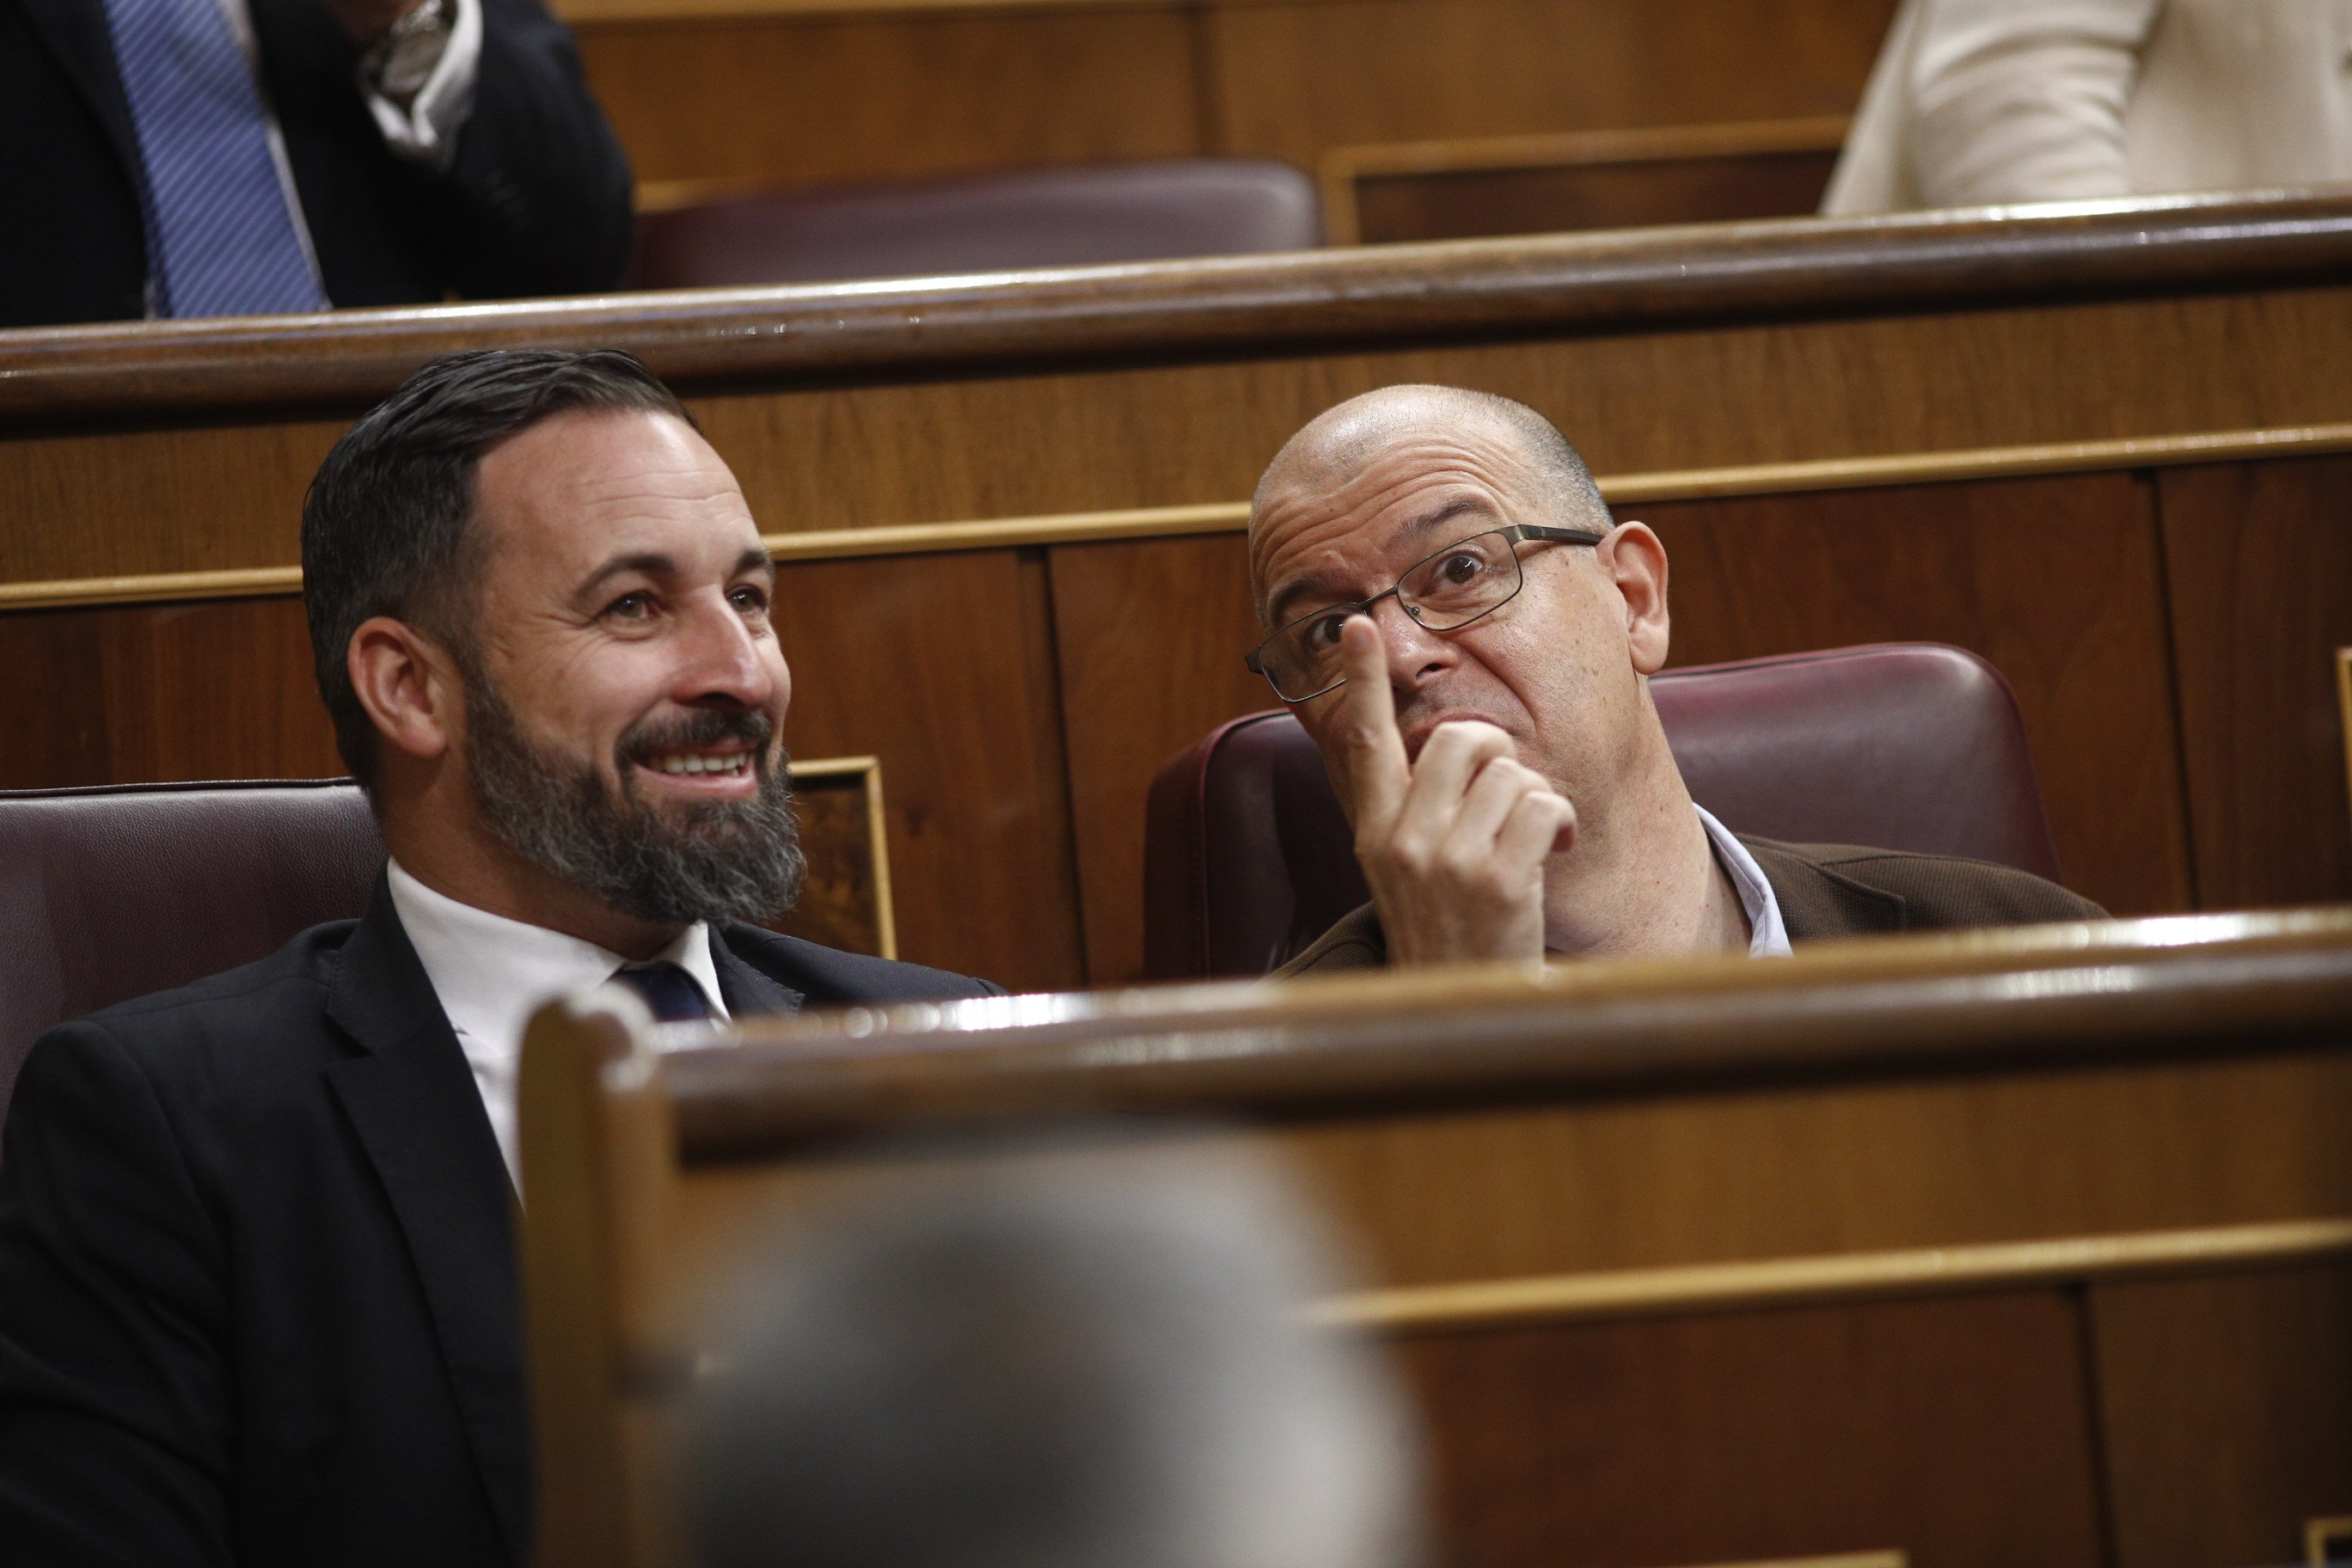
221	240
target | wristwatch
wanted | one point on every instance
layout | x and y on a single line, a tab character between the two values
399	63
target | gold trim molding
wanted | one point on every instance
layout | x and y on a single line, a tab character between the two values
1230	517
1790	1281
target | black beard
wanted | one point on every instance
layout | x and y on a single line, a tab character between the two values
712	861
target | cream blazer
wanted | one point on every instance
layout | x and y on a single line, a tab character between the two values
1986	101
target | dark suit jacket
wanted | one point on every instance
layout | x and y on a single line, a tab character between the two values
1825	890
537	201
257	1276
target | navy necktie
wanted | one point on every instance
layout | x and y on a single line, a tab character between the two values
668	990
221	239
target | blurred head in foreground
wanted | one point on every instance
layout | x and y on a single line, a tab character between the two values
1015	1372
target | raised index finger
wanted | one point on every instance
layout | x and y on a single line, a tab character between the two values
1378	774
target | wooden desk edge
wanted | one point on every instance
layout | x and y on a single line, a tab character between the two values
176	370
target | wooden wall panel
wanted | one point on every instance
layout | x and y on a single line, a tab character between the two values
810	99
2260	575
1461	204
942	667
1150	637
141	694
1955	1431
2227	1407
1294	80
2053	580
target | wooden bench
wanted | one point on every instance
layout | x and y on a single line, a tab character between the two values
2028	1248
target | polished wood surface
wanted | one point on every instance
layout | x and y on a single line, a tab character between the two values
1530	287
2260	581
805	99
1458	189
1717	1439
707	94
2089	1090
1398	1036
2244	1381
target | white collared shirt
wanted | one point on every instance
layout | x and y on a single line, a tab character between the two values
492	974
1769	938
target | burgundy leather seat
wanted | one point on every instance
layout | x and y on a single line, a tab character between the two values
111	893
983	223
1900	745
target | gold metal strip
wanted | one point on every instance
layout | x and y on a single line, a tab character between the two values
1889	1559
1783	1282
1230	517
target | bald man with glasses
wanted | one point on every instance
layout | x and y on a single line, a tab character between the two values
1467	636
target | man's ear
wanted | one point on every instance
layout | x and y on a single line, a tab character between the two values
408	684
1636	562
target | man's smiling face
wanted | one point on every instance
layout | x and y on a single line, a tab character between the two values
623	605
1361	497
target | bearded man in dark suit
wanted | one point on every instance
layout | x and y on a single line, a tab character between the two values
1467	634
257	1276
248	157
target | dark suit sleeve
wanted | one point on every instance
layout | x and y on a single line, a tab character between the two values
537	200
116	1426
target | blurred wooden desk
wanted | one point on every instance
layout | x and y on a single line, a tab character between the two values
2101	446
2005	1250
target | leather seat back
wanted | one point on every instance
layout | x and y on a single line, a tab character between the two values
111	893
1014	220
1899	746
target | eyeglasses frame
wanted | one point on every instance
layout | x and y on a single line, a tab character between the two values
1513	533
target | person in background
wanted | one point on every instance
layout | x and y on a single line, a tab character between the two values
1105	1368
1468	636
250	157
1981	102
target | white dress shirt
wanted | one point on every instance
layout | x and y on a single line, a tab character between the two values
1768	936
492	974
423	132
1982	102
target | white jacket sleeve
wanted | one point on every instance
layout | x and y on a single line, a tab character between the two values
2022	100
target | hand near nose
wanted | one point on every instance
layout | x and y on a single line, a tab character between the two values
1453	844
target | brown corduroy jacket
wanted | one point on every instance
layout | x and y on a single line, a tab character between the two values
1825	890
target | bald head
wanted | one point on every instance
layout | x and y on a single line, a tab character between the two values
1342	440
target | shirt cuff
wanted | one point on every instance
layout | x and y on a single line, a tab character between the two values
426	131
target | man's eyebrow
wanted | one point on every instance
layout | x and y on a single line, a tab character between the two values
1428	523
755	559
653	563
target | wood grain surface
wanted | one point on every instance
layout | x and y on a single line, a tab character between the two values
2227	1407
812	100
1953	1431
1523	287
2259	562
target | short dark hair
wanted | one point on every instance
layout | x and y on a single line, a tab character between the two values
386	527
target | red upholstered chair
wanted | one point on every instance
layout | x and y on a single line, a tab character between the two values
983	223
111	893
1900	746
